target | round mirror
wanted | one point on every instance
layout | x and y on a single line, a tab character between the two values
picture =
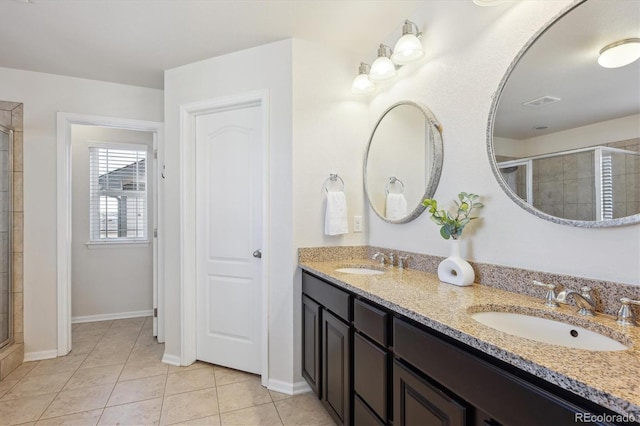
564	132
403	162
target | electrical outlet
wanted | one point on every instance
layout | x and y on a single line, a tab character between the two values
357	224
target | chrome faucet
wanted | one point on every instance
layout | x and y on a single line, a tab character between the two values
550	297
583	300
379	256
402	261
625	314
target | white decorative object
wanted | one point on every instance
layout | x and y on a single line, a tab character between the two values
454	269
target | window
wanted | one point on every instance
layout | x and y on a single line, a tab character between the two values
118	193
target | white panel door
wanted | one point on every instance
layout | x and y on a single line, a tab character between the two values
229	230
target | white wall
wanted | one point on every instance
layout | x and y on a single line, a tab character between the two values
464	65
329	136
265	67
106	279
43	96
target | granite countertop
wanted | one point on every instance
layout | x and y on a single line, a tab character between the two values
610	379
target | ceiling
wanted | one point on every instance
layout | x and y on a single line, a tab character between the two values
562	63
134	41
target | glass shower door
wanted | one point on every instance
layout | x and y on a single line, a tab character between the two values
6	198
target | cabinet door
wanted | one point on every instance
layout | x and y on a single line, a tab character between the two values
370	374
417	402
311	343
336	389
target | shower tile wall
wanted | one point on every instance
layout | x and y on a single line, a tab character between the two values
11	115
564	185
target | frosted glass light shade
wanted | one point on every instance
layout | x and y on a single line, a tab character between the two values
362	85
408	49
382	69
620	53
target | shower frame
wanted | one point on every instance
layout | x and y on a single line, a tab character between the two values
603	175
9	132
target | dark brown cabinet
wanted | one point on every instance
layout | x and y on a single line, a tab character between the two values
418	402
327	346
371	366
336	371
311	343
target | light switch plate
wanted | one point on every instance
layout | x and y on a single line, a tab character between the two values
357	224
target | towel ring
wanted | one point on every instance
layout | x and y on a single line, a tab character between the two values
392	181
333	177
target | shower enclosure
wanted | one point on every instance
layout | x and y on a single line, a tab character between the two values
595	183
6	209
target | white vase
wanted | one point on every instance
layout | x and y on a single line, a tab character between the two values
454	269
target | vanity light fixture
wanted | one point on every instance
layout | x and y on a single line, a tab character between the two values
382	68
620	53
361	84
408	48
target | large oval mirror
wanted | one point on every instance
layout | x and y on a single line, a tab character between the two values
403	162
564	133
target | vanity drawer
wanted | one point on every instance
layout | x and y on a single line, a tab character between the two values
330	297
370	321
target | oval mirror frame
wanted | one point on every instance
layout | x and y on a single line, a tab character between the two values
434	141
623	221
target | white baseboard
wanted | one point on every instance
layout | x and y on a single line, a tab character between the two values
107	317
171	359
38	356
288	387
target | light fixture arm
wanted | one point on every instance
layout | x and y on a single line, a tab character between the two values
363	68
382	51
408	27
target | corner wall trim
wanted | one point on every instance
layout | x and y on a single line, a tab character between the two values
38	356
289	388
171	359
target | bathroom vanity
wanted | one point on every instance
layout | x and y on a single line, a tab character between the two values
401	348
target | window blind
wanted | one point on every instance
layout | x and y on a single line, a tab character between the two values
118	194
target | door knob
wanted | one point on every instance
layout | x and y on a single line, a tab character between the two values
257	254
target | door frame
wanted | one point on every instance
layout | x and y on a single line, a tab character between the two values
65	121
188	272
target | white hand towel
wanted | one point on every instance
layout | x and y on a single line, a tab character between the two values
396	206
336	215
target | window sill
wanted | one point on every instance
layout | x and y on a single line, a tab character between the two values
116	244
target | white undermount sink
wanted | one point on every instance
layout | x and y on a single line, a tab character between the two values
364	270
548	331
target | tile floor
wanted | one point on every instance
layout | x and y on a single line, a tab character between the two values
114	376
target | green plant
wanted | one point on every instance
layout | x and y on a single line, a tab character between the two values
451	227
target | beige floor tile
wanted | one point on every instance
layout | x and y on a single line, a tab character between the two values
302	410
136	370
225	376
137	413
22	410
69	362
90	326
146	339
189	406
105	358
38	385
149	353
22	371
205	421
84	345
137	390
277	396
6	385
78	400
136	323
259	415
88	377
242	395
116	343
188	381
194	366
87	418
